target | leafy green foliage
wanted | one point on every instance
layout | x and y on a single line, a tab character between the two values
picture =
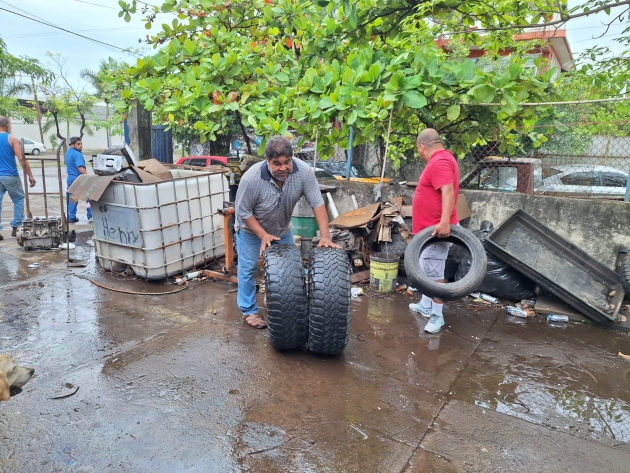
64	101
575	125
98	80
318	68
13	71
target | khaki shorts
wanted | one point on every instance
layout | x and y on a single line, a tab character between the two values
433	260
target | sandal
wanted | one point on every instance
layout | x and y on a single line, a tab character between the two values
253	320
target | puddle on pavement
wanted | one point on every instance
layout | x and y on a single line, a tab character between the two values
552	389
167	382
558	408
14	264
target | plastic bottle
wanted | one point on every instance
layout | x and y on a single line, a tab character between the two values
485	297
516	312
557	318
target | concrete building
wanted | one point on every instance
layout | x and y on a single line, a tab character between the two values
555	48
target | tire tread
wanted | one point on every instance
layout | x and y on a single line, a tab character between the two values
330	305
287	302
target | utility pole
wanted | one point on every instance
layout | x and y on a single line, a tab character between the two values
109	138
39	112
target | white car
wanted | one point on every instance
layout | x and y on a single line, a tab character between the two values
33	147
590	180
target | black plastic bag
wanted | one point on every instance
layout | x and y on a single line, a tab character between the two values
501	279
128	175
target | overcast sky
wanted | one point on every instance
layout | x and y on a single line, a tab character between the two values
98	19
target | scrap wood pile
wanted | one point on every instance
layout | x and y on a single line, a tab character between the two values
380	220
379	227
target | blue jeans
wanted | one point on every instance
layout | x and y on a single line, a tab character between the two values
72	206
248	250
13	185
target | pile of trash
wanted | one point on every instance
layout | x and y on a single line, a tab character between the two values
501	279
120	163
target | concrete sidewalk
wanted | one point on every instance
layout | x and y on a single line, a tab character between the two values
179	383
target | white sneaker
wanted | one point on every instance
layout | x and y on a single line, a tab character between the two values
425	311
436	322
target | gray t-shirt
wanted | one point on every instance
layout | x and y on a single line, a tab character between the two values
258	195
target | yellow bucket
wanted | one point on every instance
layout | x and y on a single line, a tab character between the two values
383	271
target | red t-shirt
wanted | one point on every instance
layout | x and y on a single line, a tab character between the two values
427	201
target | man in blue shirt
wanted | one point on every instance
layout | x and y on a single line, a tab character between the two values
75	166
10	148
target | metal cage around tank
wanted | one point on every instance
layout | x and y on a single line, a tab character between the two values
161	229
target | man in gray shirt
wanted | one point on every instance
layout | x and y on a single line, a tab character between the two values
266	197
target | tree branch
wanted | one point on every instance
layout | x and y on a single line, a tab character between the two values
244	131
551	23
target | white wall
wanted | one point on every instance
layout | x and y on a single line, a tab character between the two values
98	142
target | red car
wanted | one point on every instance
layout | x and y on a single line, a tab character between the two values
203	161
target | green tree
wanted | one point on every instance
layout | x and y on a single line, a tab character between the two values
319	68
98	80
15	76
66	102
597	77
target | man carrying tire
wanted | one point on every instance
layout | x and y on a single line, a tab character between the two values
434	204
266	197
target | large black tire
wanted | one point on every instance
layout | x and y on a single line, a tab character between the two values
449	291
287	302
329	301
625	275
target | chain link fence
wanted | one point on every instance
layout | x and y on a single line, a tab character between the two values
586	155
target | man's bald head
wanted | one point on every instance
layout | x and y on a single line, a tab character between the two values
428	142
4	123
429	137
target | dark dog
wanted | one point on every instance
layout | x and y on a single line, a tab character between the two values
12	377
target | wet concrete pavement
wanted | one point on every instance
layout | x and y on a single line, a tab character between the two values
179	383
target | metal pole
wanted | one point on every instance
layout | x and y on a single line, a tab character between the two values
61	206
349	162
41	161
315	153
228	241
627	197
26	197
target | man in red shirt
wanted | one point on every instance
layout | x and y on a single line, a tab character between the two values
434	204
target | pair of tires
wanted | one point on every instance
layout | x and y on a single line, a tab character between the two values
314	311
